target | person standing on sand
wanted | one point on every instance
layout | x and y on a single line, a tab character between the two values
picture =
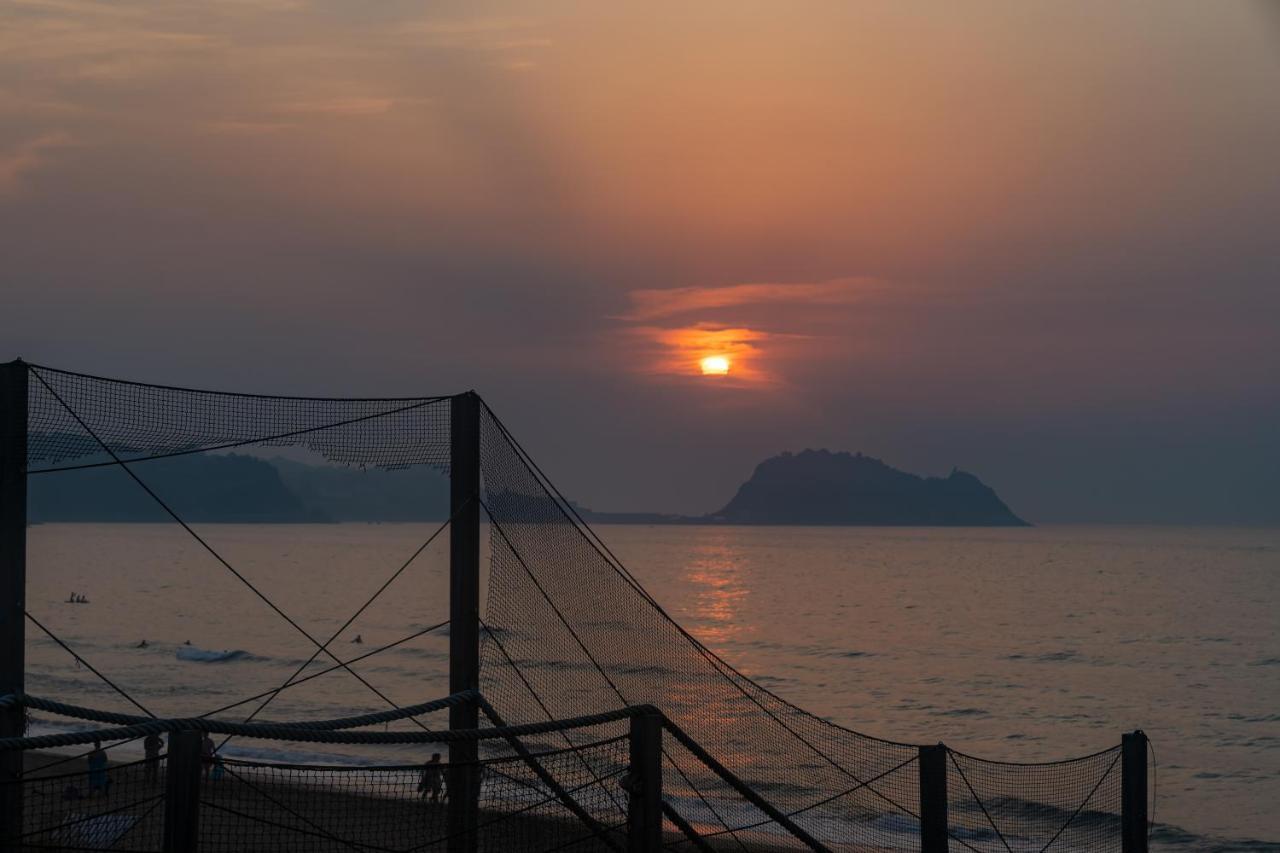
207	754
429	784
151	747
98	781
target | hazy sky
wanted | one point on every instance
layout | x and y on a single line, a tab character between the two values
1038	241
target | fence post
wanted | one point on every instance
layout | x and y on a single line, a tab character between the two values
1133	793
644	802
933	799
464	615
13	582
182	792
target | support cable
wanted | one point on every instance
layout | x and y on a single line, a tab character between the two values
545	709
564	621
353	616
117	688
978	800
1080	807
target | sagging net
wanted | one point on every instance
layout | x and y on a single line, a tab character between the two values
567	631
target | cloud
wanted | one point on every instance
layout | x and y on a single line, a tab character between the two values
679	351
648	305
28	156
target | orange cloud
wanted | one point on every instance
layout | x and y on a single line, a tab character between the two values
679	352
654	304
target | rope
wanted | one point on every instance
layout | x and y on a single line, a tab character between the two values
94	715
298	732
356	659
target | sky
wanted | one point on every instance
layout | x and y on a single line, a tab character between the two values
1036	241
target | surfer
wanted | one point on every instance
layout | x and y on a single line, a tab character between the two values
141	645
71	599
358	639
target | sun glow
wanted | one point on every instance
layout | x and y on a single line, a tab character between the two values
714	365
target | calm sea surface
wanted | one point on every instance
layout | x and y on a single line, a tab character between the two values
1010	644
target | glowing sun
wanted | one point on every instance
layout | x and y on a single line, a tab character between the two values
714	365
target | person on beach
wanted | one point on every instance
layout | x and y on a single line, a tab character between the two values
430	783
98	781
208	752
151	747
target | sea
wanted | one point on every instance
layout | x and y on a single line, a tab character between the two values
1026	644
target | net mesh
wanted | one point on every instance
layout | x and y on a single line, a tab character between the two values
117	808
568	632
268	807
71	416
1066	805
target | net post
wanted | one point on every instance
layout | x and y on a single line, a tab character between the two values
1133	792
464	614
13	581
644	800
933	799
182	793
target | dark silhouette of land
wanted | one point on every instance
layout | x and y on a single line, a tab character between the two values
812	487
824	488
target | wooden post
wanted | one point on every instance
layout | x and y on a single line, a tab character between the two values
644	803
933	799
13	582
182	793
464	615
1133	793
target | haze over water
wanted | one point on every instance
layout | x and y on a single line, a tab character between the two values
1009	644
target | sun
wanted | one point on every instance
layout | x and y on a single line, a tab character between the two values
715	365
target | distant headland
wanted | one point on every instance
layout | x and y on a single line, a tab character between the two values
816	487
820	487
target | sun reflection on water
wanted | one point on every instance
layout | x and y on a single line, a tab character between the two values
718	593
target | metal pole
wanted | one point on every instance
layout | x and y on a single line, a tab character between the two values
464	615
13	582
1133	793
182	793
933	799
644	806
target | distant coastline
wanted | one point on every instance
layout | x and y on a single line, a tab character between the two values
814	487
822	488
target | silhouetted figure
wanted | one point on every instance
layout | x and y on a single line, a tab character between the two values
142	645
358	639
430	783
207	753
186	642
71	599
151	747
98	781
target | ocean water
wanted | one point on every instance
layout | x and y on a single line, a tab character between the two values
1025	644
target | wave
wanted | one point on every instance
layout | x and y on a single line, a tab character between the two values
196	654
